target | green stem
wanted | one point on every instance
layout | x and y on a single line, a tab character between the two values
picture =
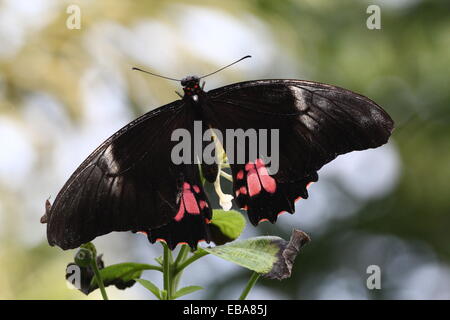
182	254
251	282
197	255
99	279
153	267
167	271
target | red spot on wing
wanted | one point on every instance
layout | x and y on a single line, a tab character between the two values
258	177
203	204
190	202
180	213
249	166
240	175
243	190
269	184
259	163
253	183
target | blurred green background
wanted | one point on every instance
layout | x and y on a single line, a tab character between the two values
63	91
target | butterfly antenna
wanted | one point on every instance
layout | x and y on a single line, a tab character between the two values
209	74
156	75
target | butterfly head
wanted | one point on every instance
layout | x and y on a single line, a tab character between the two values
191	86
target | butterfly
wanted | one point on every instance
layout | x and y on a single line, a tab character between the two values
131	183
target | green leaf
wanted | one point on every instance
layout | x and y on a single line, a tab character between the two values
122	275
186	290
270	256
159	260
150	287
226	226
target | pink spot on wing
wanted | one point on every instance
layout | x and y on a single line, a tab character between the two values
203	204
240	175
180	213
269	184
243	190
259	163
190	202
249	166
254	186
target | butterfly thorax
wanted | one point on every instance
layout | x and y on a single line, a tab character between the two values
191	87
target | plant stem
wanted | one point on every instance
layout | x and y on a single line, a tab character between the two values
251	282
167	271
99	279
182	254
153	267
197	255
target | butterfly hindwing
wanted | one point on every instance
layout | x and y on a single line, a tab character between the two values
262	195
191	222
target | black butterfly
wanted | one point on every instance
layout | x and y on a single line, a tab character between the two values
130	183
